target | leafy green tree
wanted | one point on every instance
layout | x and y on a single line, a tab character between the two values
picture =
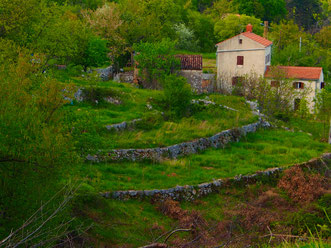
306	13
323	103
220	8
35	142
106	23
65	38
17	17
149	21
96	52
85	4
324	37
186	38
287	33
202	26
177	95
232	25
267	10
155	60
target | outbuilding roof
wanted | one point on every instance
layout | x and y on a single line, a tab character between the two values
297	72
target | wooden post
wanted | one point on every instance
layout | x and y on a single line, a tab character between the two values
265	33
330	133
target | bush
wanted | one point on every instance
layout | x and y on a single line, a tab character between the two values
176	97
96	52
150	121
155	61
96	95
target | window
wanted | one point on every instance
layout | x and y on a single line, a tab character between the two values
267	59
240	41
298	85
274	83
322	85
240	60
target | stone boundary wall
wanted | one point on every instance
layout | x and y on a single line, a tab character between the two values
123	125
127	124
218	140
208	102
189	193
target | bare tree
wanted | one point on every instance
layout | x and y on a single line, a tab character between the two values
39	231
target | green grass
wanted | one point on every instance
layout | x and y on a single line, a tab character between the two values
315	127
259	151
133	105
203	121
115	222
204	55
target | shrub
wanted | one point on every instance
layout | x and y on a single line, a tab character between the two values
150	121
96	52
155	60
96	95
176	97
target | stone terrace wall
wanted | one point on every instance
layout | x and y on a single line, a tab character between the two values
123	125
189	193
182	149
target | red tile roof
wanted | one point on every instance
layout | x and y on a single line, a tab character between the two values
253	37
258	39
298	72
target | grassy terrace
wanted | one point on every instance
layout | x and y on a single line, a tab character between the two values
154	130
259	151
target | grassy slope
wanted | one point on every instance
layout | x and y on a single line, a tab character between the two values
261	150
135	223
202	123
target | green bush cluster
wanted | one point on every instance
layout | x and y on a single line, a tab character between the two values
177	96
96	95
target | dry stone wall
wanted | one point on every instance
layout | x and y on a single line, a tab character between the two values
217	141
189	193
123	125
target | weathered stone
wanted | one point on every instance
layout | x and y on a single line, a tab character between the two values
190	193
105	73
174	151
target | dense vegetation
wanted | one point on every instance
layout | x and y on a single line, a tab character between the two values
45	134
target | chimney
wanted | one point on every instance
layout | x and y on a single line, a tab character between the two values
265	33
249	28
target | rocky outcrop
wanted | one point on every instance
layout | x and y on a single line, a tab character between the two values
105	73
189	193
182	149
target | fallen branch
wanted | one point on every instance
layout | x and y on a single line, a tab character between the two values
174	231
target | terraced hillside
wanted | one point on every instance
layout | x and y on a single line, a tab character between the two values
135	223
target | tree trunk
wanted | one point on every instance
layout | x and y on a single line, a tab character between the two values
330	133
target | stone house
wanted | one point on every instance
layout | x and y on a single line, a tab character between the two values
250	54
303	78
245	53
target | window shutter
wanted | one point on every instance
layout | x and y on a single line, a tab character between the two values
302	85
322	85
295	85
240	60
